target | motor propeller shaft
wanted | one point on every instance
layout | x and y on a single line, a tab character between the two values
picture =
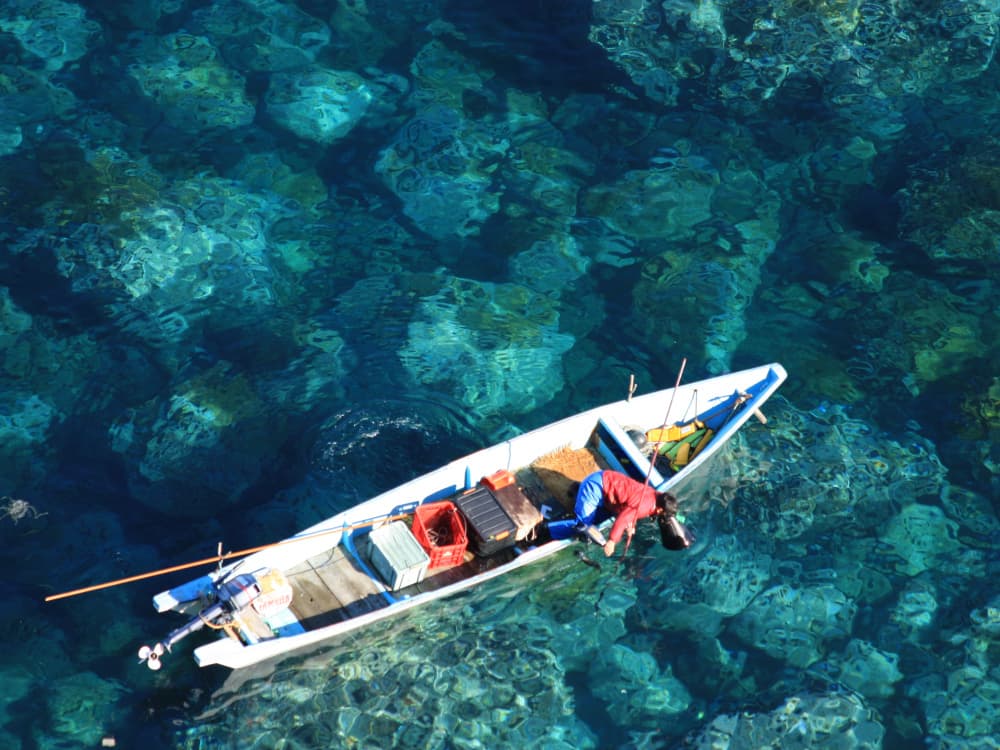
231	597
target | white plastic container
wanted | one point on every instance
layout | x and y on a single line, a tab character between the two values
397	555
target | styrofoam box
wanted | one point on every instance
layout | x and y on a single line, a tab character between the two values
397	555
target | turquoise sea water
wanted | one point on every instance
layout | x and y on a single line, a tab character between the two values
261	259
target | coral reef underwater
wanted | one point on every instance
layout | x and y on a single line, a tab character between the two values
259	260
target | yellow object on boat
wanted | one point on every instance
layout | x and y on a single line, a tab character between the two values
709	434
683	455
674	432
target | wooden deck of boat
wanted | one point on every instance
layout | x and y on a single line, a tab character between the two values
332	587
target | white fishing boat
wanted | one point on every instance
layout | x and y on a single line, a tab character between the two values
478	517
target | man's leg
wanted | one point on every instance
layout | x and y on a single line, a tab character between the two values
589	498
590	508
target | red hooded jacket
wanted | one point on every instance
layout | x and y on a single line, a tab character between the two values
628	499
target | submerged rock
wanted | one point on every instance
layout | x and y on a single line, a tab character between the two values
421	685
825	471
656	203
11	136
442	162
633	688
959	696
169	257
795	624
29	102
18	682
441	167
199	449
318	104
649	59
549	265
704	222
961	707
81	706
951	209
494	346
834	721
273	172
183	75
869	670
704	593
26	421
262	35
53	32
923	538
916	609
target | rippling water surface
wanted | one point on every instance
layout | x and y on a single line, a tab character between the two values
262	259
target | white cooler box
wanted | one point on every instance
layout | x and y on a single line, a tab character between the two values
397	555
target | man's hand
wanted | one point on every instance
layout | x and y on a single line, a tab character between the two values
609	548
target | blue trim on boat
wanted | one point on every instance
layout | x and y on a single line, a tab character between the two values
442	494
347	539
630	460
285	624
720	414
287	631
199	588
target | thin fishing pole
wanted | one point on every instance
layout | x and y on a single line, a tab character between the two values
666	419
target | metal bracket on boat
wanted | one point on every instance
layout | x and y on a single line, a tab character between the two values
757	413
231	596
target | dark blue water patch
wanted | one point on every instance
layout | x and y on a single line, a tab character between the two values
181	155
609	732
874	212
948	413
801	99
169	17
25	716
538	46
486	257
253	346
387	441
36	285
24	189
85	465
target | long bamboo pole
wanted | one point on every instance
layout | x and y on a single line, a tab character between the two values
220	558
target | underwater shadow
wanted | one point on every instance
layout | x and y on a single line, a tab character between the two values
537	46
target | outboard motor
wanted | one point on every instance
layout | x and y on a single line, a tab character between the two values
232	596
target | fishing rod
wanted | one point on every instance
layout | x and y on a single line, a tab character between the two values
633	528
666	419
219	558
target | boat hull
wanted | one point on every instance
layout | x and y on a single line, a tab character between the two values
610	420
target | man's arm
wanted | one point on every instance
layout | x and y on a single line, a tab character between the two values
624	521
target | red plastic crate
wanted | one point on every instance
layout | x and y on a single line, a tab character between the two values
434	520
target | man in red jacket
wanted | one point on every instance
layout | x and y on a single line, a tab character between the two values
611	492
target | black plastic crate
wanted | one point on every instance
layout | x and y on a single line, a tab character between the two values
490	528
